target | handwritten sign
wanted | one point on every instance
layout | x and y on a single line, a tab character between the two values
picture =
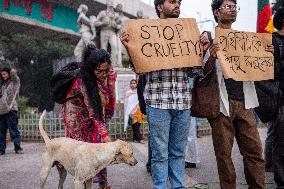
243	56
164	44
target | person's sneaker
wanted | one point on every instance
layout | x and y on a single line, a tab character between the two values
148	167
19	151
190	165
2	153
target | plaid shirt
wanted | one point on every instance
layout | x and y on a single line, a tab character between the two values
168	89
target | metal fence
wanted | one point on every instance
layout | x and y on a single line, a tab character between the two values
54	127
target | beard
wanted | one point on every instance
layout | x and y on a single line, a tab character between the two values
170	15
228	20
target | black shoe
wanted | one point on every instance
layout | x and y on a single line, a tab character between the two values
2	153
19	151
190	165
148	167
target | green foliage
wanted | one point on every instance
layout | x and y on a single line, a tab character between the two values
26	48
33	59
125	62
22	103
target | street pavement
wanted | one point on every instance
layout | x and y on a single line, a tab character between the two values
22	171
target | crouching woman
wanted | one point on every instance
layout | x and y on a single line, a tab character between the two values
91	104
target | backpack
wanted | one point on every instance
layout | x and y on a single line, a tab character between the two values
61	82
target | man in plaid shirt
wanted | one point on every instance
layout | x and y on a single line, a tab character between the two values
168	89
168	98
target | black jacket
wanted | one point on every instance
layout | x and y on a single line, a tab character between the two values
278	42
270	92
140	90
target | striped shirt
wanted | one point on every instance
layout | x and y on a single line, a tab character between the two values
168	89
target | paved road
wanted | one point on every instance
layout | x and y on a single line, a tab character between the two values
22	171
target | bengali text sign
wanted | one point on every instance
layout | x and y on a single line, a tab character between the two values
243	56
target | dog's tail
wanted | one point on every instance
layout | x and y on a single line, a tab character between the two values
41	130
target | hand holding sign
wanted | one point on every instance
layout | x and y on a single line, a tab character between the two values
245	56
124	38
163	44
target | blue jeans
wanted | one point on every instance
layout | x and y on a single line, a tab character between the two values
9	121
169	131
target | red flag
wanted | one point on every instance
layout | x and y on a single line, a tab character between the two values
264	18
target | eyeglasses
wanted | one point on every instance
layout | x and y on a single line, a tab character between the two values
103	72
231	7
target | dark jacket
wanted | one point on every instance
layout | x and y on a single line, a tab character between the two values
278	42
140	90
205	93
270	92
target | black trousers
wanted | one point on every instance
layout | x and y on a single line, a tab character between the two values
278	148
137	136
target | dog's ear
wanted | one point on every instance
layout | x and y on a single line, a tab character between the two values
121	143
118	141
124	150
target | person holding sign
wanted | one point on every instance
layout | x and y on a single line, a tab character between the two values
274	143
168	98
234	116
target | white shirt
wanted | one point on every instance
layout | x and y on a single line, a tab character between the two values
251	100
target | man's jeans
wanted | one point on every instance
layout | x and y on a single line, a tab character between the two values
9	121
169	131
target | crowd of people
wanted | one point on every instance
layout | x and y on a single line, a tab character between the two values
172	130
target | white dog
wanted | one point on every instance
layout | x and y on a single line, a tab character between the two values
81	159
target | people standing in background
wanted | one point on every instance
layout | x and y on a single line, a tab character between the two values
132	112
10	86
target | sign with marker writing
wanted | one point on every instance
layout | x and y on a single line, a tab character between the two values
243	56
157	44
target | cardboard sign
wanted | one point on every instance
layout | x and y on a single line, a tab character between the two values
243	56
159	44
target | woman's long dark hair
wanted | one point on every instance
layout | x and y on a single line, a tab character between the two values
93	57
